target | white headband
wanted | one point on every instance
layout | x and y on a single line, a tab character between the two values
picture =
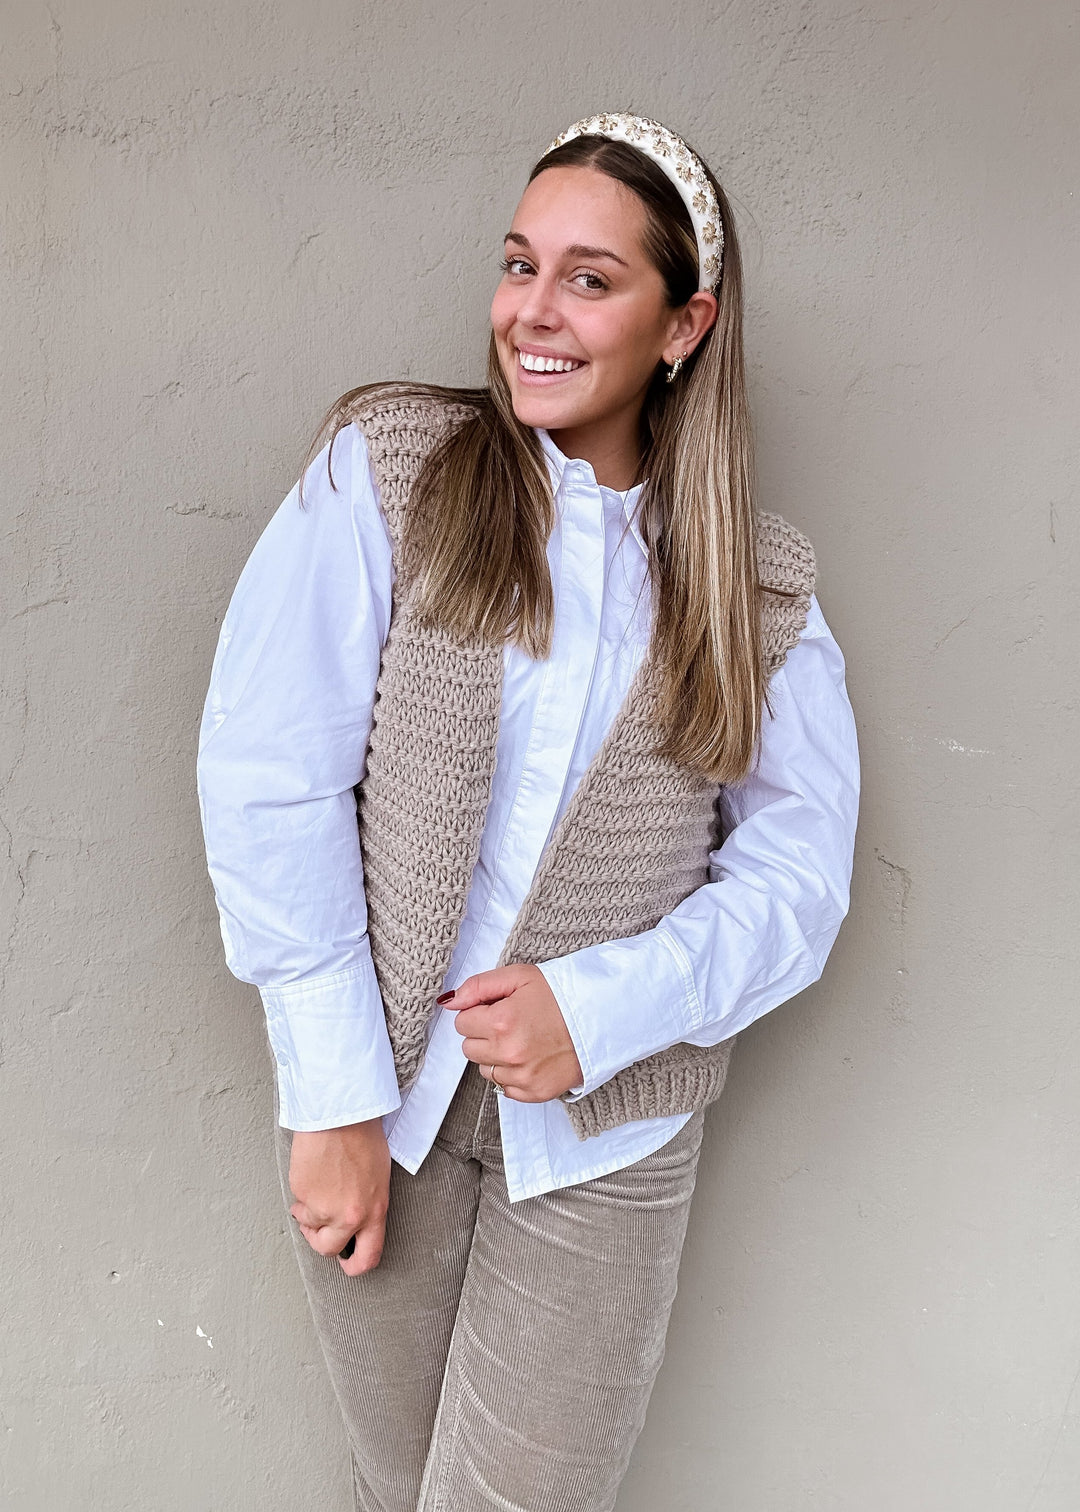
682	167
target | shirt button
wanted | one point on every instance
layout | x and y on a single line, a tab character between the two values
282	1060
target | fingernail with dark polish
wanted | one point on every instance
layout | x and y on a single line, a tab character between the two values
444	997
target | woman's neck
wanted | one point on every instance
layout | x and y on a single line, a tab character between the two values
611	448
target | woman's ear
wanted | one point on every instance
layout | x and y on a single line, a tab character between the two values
691	324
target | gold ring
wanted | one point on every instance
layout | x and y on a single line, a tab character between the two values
497	1085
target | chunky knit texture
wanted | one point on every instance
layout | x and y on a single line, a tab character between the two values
632	843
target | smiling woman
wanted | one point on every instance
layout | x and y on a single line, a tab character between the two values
605	304
528	778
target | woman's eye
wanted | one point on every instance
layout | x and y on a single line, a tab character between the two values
593	282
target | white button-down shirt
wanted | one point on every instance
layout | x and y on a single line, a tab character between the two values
283	744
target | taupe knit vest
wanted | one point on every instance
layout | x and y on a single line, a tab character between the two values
632	843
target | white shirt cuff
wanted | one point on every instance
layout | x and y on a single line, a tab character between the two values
335	1063
622	1000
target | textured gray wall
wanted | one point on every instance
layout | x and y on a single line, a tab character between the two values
217	217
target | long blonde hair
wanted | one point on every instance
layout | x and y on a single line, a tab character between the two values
475	545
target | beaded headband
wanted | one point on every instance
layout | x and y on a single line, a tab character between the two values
682	167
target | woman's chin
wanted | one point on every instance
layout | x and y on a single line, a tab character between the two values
544	411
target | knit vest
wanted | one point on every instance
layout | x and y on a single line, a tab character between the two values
633	842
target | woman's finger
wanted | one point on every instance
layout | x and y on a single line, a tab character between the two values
485	987
325	1236
477	1048
367	1248
305	1217
502	1074
479	1022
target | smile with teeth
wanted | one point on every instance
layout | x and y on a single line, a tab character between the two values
533	364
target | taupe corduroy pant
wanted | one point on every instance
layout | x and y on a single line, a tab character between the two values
502	1355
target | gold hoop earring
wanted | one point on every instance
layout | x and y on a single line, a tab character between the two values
675	366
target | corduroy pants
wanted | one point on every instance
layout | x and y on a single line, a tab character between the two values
502	1355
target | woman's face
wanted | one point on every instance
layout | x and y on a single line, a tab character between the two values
579	290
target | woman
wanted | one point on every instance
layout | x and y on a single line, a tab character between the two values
582	700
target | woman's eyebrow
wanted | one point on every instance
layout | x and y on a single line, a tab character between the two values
577	250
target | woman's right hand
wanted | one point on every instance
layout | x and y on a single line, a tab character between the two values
340	1179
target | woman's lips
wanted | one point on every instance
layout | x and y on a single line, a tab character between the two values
544	380
533	379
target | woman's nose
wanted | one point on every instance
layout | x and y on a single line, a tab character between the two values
539	306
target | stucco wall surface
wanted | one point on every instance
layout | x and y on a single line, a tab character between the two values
216	218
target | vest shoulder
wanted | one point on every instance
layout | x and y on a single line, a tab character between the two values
785	557
401	423
400	420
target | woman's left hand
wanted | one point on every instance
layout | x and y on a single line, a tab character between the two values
510	1018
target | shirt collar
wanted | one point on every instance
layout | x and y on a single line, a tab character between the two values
558	464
